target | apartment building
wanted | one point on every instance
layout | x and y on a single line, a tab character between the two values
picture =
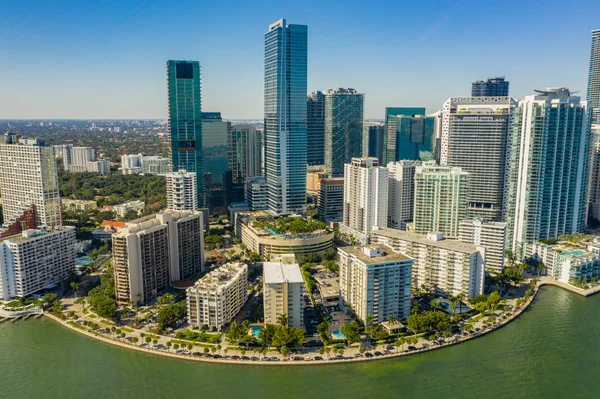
217	297
283	290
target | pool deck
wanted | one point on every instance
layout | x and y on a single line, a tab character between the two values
569	287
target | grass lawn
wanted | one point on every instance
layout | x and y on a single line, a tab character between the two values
126	329
71	322
92	316
108	323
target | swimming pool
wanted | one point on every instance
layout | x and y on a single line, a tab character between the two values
272	232
574	253
255	331
337	334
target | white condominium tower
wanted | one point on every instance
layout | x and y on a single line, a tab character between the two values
475	137
182	191
401	193
375	280
28	182
35	259
365	196
491	235
440	199
217	297
548	167
152	252
245	152
283	290
446	267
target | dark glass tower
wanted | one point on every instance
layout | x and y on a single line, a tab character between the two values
315	139
343	129
375	141
492	87
408	135
285	116
593	90
185	119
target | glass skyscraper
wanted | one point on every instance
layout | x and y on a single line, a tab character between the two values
343	129
548	168
492	87
285	116
593	91
215	151
408	135
315	140
185	119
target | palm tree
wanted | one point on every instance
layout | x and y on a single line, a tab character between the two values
219	348
327	350
135	340
283	320
392	320
369	323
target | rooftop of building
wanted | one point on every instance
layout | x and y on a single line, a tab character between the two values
220	277
332	181
31	234
453	245
158	219
373	254
288	227
112	223
278	272
329	286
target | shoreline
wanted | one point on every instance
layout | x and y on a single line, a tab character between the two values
125	345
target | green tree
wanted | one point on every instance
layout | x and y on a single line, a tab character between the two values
428	321
493	300
351	332
234	333
369	324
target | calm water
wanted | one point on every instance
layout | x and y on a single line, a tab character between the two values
552	351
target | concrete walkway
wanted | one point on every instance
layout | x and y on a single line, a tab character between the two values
580	291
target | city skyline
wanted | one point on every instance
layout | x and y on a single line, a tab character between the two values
97	74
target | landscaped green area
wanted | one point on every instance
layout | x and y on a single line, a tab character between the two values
290	225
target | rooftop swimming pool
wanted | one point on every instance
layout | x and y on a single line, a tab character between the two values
577	252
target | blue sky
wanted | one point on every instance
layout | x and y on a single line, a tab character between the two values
106	59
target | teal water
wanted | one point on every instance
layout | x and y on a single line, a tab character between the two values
551	351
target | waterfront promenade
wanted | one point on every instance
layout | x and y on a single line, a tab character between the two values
569	287
350	353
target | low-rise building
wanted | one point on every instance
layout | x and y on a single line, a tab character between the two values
35	260
217	297
375	280
152	252
267	242
444	266
78	205
283	291
122	209
328	285
567	262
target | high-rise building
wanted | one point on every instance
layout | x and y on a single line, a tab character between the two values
215	136
375	280
343	129
155	165
548	167
35	259
131	164
256	193
492	87
475	137
181	191
443	266
491	235
401	193
594	179
245	152
408	135
315	120
152	252
283	291
374	138
63	152
440	199
185	120
285	116
28	184
365	197
80	157
217	297
593	89
330	199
